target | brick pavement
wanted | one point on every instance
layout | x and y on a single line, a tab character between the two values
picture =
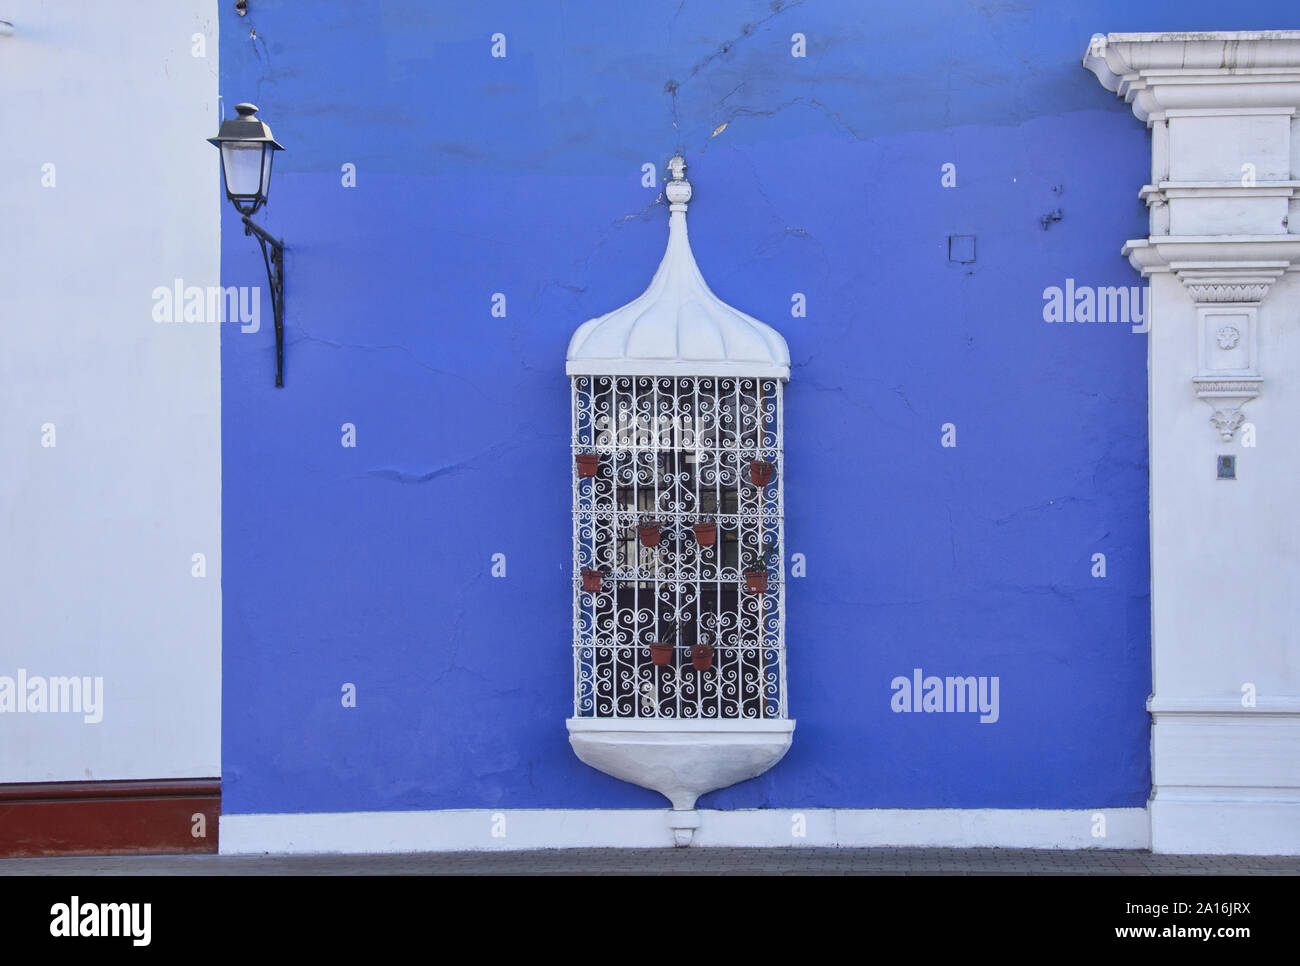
692	861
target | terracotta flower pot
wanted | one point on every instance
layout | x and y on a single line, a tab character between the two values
592	581
588	465
760	472
702	656
756	581
706	534
648	535
661	654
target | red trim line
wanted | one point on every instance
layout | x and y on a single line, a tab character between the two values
155	816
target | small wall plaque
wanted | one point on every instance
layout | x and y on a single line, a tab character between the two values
961	249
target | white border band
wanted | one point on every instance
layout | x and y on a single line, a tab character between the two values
518	829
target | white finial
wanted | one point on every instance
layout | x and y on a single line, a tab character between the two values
678	189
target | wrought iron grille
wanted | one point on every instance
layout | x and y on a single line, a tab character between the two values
679	453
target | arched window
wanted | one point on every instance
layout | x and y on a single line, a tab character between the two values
678	536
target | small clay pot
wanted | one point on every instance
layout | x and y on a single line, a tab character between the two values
661	654
706	534
760	472
593	580
702	656
588	465
648	535
756	581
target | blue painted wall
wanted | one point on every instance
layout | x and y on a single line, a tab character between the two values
371	565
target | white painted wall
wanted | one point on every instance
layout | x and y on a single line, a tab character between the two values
97	532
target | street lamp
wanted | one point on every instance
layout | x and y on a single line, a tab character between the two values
247	150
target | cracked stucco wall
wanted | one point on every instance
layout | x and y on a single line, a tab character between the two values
820	175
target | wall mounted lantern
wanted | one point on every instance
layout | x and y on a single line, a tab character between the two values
247	151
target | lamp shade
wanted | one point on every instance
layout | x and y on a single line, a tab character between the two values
247	150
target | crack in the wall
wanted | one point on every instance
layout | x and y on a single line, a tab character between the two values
1055	503
398	475
370	347
952	537
583	264
746	30
833	116
659	200
898	391
259	46
671	88
263	55
725	96
788	230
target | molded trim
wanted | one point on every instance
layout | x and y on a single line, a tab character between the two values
109	817
510	829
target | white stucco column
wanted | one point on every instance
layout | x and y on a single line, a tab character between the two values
1224	381
110	409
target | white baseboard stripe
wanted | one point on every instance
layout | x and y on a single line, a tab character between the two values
511	829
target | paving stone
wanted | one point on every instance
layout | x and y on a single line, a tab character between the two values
694	861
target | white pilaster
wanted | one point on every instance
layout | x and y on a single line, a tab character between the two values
1221	257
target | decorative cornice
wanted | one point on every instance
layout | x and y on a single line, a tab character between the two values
1156	73
1219	217
1239	265
1162	193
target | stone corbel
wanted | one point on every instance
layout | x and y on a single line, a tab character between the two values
1227	334
1227	279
